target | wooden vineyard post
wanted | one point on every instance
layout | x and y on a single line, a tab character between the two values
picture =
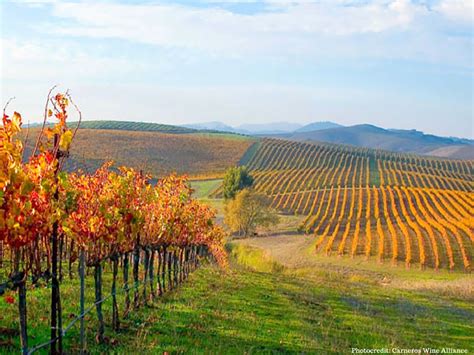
82	264
56	331
136	264
61	248
19	280
152	274
181	264
145	277
56	336
115	312
163	274
125	284
71	248
187	253
170	284
98	301
159	272
23	315
175	267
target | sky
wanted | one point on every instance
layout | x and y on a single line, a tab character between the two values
392	63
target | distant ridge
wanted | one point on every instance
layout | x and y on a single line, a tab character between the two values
317	126
214	126
370	136
269	128
363	135
263	128
134	126
142	127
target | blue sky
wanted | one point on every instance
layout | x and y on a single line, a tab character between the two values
392	63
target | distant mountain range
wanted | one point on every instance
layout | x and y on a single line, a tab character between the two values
363	135
263	128
269	128
370	136
214	126
317	126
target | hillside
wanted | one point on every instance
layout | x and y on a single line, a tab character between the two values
317	126
248	129
134	126
358	201
156	152
269	128
454	151
394	140
214	126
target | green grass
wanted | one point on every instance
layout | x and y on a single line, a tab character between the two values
228	135
257	306
134	126
374	172
203	188
254	259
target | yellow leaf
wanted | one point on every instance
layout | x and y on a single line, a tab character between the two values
65	140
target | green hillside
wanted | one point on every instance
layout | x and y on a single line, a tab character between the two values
134	126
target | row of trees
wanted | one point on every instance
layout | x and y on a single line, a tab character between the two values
105	216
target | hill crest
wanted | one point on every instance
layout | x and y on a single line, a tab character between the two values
410	141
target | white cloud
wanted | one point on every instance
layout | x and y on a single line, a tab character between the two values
117	84
458	10
215	29
300	30
57	62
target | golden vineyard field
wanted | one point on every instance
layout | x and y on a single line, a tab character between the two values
203	155
358	201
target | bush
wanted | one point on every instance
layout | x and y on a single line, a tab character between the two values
248	211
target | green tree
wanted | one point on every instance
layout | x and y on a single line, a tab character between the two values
247	211
236	179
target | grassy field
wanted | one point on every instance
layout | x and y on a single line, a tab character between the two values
203	188
259	305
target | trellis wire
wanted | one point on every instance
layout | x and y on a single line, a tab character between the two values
126	287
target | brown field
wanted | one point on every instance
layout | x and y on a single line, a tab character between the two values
198	155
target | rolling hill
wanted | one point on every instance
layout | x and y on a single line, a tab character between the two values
358	201
363	135
214	126
248	129
317	126
394	140
134	126
268	128
157	149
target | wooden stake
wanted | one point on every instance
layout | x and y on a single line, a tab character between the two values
82	264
